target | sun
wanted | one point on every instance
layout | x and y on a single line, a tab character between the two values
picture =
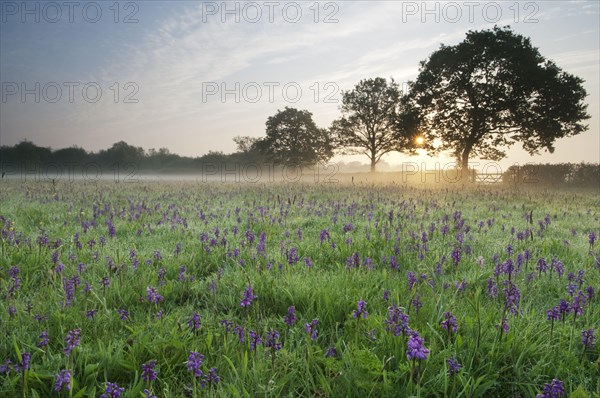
420	140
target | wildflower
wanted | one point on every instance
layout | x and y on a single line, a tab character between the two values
249	296
112	232
148	371
69	289
415	348
271	340
509	249
411	279
505	327
512	297
42	240
240	332
40	318
194	362
555	389
453	366
292	256
323	235
416	302
353	261
386	295
194	323
290	318
553	314
148	394
310	328
105	282
542	266
397	321
588	339
508	267
590	293
63	381
71	341
580	277
60	268
212	377
449	323
331	352
361	310
91	313
24	364
181	275
456	255
560	270
13	272
445	229
162	272
254	339
228	325
5	367
213	286
123	314
492	288
43	339
249	236
394	263
112	391
461	286
153	295
578	305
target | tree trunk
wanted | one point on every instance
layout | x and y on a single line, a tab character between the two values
373	163
464	164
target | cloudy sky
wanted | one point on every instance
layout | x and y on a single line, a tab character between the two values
191	75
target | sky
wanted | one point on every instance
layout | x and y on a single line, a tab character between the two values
190	75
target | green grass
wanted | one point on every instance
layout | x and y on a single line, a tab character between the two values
370	361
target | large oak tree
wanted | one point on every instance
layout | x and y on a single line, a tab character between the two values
293	138
495	89
375	120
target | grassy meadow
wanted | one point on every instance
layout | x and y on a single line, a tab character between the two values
189	289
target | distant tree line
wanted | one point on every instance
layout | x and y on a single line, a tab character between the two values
28	157
552	175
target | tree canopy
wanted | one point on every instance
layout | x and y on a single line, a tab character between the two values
376	120
293	138
495	89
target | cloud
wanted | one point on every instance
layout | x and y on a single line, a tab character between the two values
578	57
